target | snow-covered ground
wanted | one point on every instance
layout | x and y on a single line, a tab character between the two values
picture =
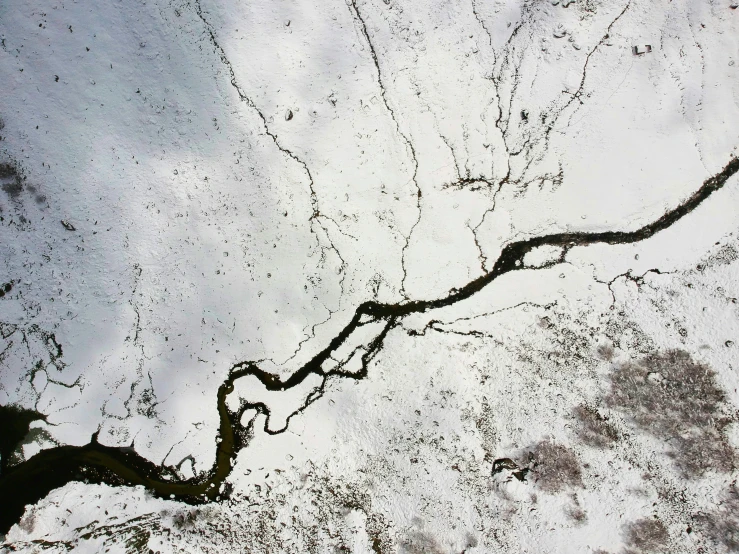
187	185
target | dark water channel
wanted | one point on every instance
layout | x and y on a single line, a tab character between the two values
29	481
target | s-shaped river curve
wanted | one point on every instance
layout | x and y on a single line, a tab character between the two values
28	482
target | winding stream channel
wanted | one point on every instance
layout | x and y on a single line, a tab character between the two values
30	481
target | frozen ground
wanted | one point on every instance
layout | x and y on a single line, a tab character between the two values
190	185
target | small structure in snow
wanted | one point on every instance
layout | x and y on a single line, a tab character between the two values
68	226
639	50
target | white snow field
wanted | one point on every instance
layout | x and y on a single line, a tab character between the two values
196	187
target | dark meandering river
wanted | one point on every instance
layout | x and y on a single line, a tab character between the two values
31	480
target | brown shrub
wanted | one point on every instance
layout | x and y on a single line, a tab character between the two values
594	429
722	525
10	181
186	518
419	542
606	352
647	535
576	514
553	467
676	399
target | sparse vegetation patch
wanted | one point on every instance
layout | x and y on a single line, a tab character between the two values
678	400
553	467
721	526
646	535
594	429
